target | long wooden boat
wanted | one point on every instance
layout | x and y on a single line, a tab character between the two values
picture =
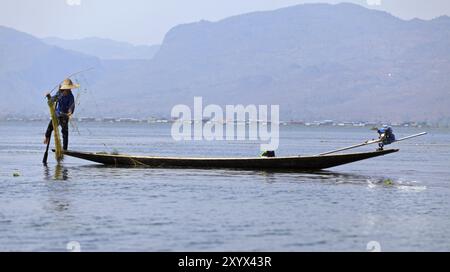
298	163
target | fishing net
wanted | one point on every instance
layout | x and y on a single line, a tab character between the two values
58	149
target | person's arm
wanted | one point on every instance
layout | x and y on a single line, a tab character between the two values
53	98
72	105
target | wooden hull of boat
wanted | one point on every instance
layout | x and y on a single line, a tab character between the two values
309	163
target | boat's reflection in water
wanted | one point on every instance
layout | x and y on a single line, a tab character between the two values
337	178
62	173
323	176
267	176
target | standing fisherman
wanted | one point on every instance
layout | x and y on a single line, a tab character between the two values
65	106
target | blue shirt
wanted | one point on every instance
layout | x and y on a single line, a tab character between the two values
64	103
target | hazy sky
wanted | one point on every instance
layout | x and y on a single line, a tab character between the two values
146	21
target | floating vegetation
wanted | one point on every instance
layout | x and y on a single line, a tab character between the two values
388	182
411	186
114	152
16	174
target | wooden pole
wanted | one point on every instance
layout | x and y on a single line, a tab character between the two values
44	159
368	143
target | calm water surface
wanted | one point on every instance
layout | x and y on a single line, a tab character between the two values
126	209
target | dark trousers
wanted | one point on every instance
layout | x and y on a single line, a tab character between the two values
63	121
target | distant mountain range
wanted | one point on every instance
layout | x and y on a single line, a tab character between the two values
105	48
317	61
28	67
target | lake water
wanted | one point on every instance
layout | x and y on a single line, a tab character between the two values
138	209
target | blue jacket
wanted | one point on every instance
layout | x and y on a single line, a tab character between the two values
389	136
64	103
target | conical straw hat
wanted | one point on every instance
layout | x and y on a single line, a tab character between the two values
68	85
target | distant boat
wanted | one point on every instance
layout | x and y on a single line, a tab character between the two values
297	163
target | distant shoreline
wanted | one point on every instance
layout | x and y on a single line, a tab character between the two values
321	123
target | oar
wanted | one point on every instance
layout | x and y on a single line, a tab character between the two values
368	143
44	160
409	137
350	147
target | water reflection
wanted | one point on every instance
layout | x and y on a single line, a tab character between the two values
60	173
58	194
92	171
336	178
268	175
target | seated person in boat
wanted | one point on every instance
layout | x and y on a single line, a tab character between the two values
65	106
386	136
